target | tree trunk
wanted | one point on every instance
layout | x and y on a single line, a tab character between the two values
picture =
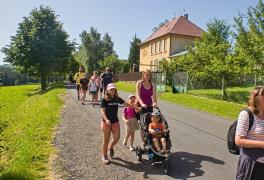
43	79
224	94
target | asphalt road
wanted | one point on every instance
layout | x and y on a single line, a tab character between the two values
198	145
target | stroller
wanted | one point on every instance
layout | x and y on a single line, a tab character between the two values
153	155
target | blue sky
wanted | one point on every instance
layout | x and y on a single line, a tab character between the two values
120	18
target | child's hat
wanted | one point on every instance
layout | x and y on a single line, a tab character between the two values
111	86
130	96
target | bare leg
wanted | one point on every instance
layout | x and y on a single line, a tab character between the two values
164	144
132	135
106	138
126	138
116	137
156	143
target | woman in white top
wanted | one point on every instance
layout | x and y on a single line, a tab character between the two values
251	160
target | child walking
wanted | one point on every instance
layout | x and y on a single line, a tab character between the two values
131	124
84	87
92	88
110	122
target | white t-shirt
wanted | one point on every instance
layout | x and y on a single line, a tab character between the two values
93	86
256	132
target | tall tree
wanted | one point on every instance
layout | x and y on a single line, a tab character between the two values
211	60
108	46
113	62
94	49
134	54
92	45
40	46
249	46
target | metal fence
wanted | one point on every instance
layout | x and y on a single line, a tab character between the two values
180	82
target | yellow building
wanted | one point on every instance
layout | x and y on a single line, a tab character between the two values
168	41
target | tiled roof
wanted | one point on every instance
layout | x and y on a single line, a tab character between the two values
179	25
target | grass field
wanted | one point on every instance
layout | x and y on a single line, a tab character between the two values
205	100
27	121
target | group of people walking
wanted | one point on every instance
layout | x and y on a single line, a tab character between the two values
94	85
251	140
142	102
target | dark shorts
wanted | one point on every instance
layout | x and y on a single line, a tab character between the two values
93	92
77	87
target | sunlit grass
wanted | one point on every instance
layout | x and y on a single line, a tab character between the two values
27	121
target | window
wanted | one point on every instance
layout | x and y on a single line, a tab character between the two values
160	46
165	45
151	49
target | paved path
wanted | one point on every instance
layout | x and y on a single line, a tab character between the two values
198	139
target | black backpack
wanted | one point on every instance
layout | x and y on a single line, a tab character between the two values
232	147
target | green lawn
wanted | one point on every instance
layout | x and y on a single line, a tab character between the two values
237	94
27	121
205	100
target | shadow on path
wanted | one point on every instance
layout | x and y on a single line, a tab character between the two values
182	165
185	165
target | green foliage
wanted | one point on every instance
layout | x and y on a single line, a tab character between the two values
217	107
93	49
125	67
40	46
9	76
128	87
211	61
113	62
134	53
27	122
249	48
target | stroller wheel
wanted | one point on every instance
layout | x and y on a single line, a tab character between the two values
166	167
139	154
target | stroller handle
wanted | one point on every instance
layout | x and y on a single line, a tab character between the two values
154	107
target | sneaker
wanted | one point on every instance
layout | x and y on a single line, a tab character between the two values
111	153
131	148
105	160
82	103
124	143
144	147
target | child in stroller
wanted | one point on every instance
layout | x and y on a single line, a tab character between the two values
157	129
152	151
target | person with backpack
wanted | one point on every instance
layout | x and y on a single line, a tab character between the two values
250	138
84	82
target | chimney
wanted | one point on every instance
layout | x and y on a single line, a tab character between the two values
186	16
